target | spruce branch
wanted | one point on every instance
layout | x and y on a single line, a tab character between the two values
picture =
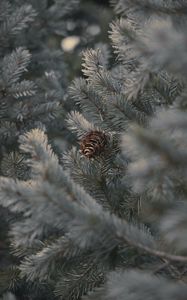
93	61
133	283
85	215
25	88
78	124
19	20
85	276
122	112
88	100
14	65
123	34
160	44
164	6
60	254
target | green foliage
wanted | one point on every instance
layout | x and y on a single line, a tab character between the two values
112	226
33	84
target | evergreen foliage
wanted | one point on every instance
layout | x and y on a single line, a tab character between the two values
27	99
33	84
110	225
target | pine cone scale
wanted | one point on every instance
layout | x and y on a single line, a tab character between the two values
93	143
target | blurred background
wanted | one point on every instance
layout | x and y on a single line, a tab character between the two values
87	27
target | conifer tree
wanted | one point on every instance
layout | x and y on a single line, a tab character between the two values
33	85
108	219
31	94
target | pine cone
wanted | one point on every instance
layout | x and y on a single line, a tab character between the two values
93	143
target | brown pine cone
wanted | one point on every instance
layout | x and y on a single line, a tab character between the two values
93	143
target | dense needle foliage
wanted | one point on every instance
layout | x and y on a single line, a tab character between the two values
104	218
